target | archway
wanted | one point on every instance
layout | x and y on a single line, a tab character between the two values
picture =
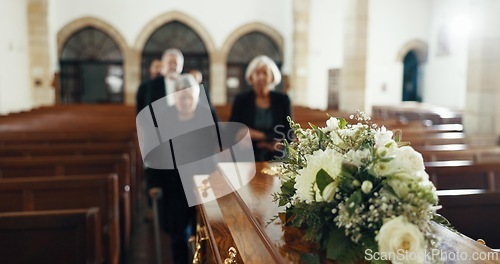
176	34
410	78
91	68
412	55
241	53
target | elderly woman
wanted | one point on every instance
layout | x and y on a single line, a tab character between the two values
263	110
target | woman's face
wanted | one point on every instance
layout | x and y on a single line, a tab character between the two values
261	77
185	101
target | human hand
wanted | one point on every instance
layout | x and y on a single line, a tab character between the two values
155	193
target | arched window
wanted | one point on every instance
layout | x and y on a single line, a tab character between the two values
242	52
177	35
410	78
91	69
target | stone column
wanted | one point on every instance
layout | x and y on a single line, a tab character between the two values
353	74
482	108
132	72
300	61
39	69
218	72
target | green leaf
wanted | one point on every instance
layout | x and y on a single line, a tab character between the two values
444	222
342	122
341	248
298	220
349	167
309	259
322	180
397	134
288	188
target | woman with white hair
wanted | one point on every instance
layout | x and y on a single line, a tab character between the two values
263	110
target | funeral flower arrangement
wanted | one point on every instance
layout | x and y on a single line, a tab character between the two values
356	190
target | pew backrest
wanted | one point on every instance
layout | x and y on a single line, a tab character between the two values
58	236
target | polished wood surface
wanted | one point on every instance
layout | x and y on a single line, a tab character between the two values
58	236
239	219
61	193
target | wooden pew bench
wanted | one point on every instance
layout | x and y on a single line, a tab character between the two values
76	192
418	141
85	149
475	213
57	237
477	154
75	165
464	174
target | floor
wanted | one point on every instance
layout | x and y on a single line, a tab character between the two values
142	248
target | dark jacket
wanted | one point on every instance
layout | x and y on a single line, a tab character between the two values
149	92
244	110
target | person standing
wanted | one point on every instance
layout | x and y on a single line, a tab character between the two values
155	69
263	110
172	63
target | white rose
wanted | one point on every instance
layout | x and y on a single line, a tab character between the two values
367	186
407	159
332	124
382	137
402	241
400	187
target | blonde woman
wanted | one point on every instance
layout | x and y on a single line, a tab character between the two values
262	109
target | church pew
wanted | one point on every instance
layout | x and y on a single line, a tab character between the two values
450	138
57	236
84	149
475	213
76	192
84	165
63	137
466	152
464	174
417	111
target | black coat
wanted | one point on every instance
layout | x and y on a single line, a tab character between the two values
174	213
149	92
244	110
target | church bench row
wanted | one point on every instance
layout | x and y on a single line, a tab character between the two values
56	236
70	166
304	115
77	192
418	112
449	138
52	137
475	213
464	174
70	124
105	109
477	154
85	149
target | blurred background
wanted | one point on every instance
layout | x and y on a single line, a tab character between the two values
334	54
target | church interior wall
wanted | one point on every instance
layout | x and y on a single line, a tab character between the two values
15	93
391	25
326	47
446	71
